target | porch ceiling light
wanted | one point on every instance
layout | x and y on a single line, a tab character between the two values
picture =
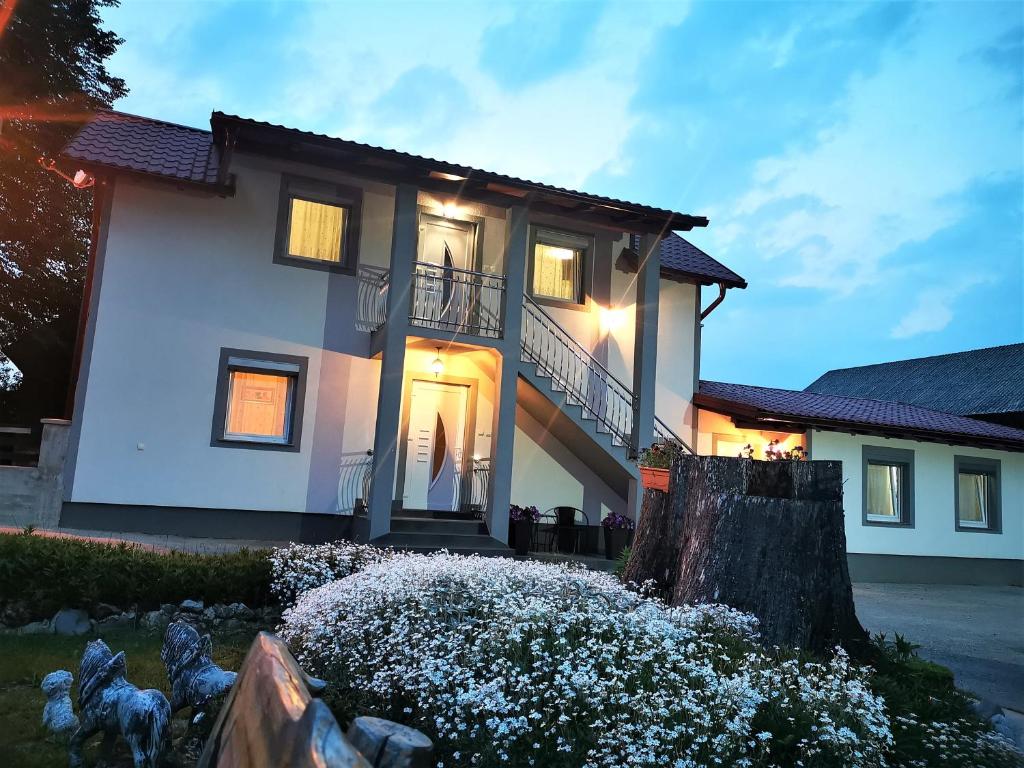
450	210
437	366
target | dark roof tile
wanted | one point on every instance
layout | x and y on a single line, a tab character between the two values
681	257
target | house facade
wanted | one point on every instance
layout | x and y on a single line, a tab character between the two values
294	336
929	495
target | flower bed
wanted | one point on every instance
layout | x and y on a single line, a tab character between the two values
298	568
526	663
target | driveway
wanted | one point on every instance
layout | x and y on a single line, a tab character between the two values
978	632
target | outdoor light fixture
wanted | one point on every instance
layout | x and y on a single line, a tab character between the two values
611	318
449	210
438	365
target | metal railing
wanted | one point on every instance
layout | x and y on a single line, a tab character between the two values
662	434
371	297
459	300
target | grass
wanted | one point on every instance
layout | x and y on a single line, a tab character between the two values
26	659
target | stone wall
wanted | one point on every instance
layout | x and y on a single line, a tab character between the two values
33	495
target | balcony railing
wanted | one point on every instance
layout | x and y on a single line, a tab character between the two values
372	297
457	300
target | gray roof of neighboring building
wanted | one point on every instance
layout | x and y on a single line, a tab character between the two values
840	413
975	382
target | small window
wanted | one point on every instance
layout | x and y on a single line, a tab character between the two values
259	400
977	494
558	263
888	486
318	224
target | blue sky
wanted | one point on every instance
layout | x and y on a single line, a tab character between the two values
862	164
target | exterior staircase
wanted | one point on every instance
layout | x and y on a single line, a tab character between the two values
418	530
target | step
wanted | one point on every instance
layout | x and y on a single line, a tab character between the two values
433	514
440	526
432	540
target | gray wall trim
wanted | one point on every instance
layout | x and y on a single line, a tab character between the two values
99	254
928	569
318	190
988	466
205	522
645	345
877	453
217	439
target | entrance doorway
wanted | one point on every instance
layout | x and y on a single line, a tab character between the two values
437	427
446	286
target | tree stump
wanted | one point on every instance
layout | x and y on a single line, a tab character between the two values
766	538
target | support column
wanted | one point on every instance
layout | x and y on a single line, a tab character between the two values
392	368
506	373
645	345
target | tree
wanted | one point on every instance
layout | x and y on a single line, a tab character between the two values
52	55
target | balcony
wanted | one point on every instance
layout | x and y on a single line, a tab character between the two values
441	298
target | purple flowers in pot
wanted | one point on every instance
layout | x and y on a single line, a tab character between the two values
615	520
517	513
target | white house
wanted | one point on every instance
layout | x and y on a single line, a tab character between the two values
929	495
285	329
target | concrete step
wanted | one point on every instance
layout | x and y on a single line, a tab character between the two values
435	541
442	527
433	514
465	551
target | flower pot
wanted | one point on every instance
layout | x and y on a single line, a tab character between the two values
521	534
654	478
615	540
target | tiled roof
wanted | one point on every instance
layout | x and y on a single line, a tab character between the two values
683	258
979	381
142	145
877	415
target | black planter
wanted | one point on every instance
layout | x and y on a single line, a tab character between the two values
615	540
520	535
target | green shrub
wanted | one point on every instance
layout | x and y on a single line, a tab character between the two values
44	574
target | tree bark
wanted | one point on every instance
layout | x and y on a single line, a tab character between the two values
766	538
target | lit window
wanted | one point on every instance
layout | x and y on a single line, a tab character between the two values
977	493
558	266
259	400
888	486
316	230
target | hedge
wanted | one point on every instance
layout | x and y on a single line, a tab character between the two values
41	575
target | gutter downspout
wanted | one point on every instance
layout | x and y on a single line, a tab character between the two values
716	302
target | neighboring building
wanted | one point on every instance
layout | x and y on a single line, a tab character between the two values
267	305
982	383
929	496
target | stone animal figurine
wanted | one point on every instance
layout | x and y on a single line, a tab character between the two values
195	679
58	714
109	703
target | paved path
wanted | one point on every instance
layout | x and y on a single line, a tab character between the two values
978	632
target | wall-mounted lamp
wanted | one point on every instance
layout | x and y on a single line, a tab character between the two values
437	366
449	210
611	319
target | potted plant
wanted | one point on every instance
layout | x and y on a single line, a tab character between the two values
520	523
654	463
618	534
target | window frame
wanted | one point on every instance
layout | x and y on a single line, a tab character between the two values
310	190
904	458
272	364
588	248
981	466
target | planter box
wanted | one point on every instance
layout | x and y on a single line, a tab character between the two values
615	540
654	479
520	536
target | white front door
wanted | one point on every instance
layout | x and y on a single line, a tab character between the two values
435	448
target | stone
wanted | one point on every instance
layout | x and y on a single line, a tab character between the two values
154	620
232	625
58	713
103	611
386	744
168	608
240	611
191	606
37	628
73	622
210	614
121	620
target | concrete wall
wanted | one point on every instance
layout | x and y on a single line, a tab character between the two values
33	495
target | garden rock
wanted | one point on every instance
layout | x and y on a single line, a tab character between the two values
191	606
155	620
390	745
118	621
239	611
103	611
73	622
37	628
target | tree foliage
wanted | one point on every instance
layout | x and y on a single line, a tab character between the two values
52	60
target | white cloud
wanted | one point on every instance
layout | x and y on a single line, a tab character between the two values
933	310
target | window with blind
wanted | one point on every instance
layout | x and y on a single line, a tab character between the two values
977	493
318	224
888	486
557	267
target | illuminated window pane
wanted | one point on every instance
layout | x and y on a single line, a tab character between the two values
259	406
885	492
973	491
315	230
556	272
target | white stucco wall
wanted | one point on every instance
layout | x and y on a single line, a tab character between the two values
934	531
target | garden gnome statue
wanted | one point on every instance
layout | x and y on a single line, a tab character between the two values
109	703
58	714
195	679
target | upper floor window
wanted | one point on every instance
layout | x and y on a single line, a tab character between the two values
259	400
977	494
557	266
318	224
888	486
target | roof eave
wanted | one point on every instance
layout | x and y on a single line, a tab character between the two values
225	189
